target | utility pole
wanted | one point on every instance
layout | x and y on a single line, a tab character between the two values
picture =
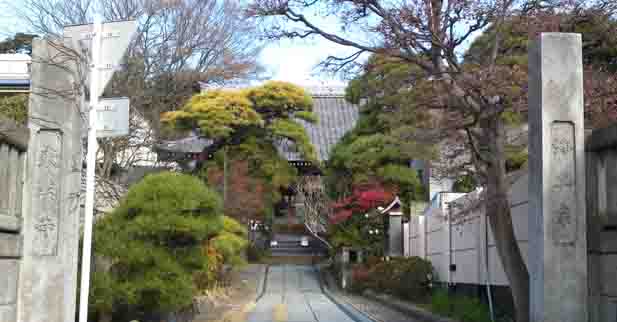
90	172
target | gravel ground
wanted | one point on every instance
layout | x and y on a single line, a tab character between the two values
229	303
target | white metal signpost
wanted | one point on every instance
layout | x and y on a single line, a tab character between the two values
112	117
107	44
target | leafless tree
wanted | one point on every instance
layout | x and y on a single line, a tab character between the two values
315	203
179	44
466	103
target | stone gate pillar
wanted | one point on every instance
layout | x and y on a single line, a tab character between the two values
48	272
557	223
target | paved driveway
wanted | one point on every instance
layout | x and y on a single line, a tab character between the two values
293	295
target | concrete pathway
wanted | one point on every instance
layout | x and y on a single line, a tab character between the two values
293	294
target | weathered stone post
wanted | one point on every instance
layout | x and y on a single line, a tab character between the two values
345	273
395	233
557	223
48	272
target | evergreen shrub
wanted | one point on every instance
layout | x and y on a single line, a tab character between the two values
407	278
167	232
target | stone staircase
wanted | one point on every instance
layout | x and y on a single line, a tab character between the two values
288	245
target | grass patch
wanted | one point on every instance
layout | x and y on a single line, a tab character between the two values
461	308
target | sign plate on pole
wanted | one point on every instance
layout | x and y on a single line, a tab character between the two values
115	39
103	47
112	117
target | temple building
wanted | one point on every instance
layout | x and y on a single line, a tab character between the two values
335	116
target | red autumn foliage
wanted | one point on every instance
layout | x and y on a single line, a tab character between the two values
340	216
363	199
245	194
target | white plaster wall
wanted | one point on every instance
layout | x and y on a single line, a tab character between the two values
406	249
465	250
437	245
468	239
467	268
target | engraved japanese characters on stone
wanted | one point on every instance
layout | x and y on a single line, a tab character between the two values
562	216
49	157
47	193
562	179
562	145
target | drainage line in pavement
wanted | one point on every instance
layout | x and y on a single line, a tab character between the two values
353	313
308	303
263	284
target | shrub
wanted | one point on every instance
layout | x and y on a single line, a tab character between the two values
256	254
14	107
225	252
407	278
231	242
361	277
154	244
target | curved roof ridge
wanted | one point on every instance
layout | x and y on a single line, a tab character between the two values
326	91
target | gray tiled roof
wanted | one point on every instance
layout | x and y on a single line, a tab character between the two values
335	116
190	144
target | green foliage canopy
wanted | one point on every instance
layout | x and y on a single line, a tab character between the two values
279	99
376	149
216	113
157	241
15	107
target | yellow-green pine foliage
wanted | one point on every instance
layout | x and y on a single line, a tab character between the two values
279	98
231	242
273	107
153	243
307	116
218	113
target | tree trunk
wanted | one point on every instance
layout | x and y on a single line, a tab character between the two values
500	219
105	317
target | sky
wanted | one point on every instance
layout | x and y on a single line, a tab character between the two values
288	60
296	61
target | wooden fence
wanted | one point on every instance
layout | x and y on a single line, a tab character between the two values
13	147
